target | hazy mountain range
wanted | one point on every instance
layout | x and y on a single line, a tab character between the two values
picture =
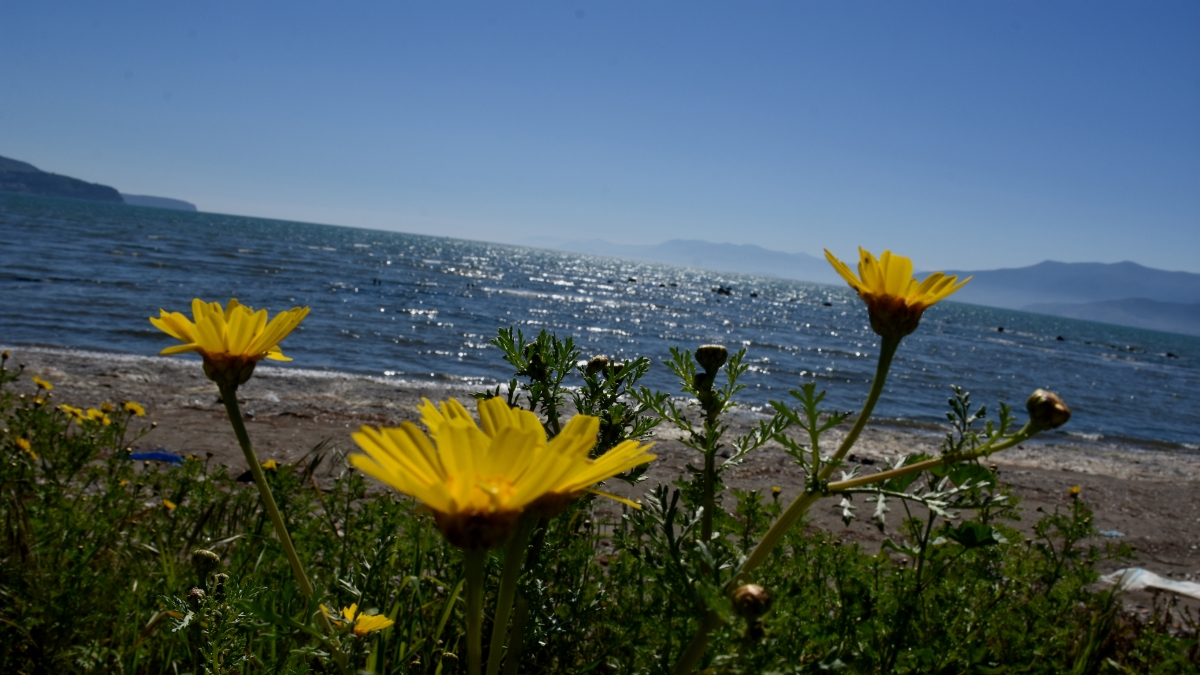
24	178
1123	293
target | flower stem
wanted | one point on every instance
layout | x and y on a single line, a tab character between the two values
474	564
514	556
229	398
802	503
517	644
695	650
1021	436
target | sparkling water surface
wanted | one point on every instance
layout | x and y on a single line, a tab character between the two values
393	305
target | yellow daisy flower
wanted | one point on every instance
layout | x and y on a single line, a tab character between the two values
363	623
75	413
231	340
270	465
27	447
168	504
895	299
134	408
478	481
42	384
95	415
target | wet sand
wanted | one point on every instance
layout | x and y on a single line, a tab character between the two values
1151	498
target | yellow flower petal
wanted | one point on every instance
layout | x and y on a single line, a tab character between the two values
477	480
230	339
895	300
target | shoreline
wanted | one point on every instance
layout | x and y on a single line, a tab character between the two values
1146	495
462	387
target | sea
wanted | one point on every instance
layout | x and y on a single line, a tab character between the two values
404	307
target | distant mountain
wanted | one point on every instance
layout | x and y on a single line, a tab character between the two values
16	176
158	202
1060	283
1123	293
1170	317
25	178
743	258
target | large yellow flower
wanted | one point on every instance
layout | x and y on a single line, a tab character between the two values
895	299
232	339
479	481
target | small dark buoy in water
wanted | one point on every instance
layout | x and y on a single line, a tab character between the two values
1000	329
754	295
631	280
827	304
1059	338
1171	356
662	285
674	284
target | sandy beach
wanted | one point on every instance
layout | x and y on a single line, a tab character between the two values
1149	497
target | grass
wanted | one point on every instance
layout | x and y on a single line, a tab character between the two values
97	571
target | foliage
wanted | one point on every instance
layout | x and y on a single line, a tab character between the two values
97	573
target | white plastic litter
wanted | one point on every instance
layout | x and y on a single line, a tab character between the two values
1137	579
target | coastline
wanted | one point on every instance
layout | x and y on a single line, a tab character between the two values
1147	495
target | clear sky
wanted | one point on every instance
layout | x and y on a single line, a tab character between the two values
969	135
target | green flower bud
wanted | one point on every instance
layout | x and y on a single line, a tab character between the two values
598	364
195	598
1047	410
204	562
711	357
751	601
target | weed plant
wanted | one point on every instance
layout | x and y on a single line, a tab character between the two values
110	565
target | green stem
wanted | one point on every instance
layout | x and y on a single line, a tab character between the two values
695	651
514	556
802	503
1020	437
474	564
887	350
520	617
229	398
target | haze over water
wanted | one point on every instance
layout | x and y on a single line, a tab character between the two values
393	305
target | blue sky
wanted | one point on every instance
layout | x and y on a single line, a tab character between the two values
968	135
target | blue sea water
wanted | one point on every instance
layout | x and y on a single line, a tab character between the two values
393	305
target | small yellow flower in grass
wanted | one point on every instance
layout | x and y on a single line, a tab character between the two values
39	401
477	481
75	413
1074	491
270	465
94	415
895	299
231	340
363	623
42	384
134	408
106	407
25	445
168	504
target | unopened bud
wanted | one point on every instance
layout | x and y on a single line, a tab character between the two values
598	364
751	601
1047	410
204	562
711	357
195	598
536	369
219	585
